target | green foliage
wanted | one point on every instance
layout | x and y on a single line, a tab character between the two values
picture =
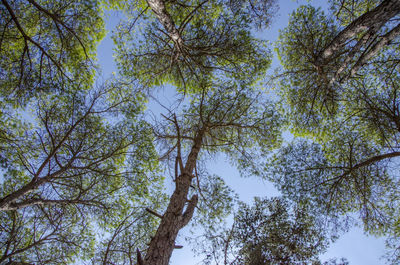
127	232
346	11
238	115
258	12
45	235
316	86
45	44
215	204
348	109
344	176
238	120
83	166
304	84
231	118
373	108
216	42
80	165
271	231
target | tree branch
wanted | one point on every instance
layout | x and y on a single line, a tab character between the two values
27	38
385	40
187	215
154	213
373	19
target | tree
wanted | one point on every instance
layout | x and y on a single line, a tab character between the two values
368	24
342	97
78	166
62	149
313	46
222	118
208	52
191	41
86	160
74	158
44	43
271	231
128	234
73	169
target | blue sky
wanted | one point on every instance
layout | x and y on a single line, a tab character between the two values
355	246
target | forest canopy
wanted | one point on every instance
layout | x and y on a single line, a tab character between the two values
90	174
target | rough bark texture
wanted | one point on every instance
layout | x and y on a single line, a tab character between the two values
8	202
158	7
163	243
350	55
371	20
385	40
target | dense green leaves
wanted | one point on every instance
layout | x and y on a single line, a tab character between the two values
45	44
340	81
321	61
348	10
304	84
81	165
213	41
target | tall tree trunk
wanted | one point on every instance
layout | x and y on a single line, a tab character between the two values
175	218
371	20
385	40
158	7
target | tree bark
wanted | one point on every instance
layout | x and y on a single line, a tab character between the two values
175	218
371	20
158	7
374	159
36	180
8	202
370	161
351	54
385	40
